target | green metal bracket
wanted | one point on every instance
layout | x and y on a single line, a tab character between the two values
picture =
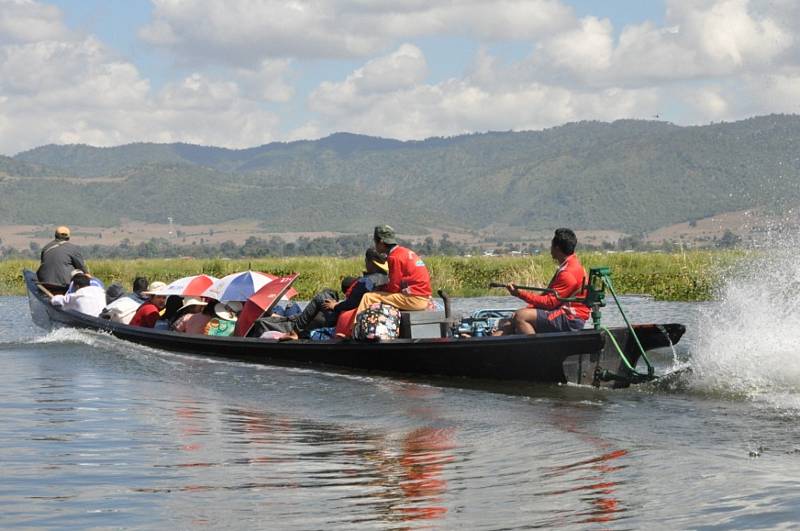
599	281
596	293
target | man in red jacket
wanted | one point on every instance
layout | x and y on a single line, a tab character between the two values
409	286
545	313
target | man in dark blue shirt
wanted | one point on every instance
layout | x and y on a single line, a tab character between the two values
375	275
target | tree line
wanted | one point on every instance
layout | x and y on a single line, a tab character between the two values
342	246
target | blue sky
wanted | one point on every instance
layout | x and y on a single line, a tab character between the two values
243	73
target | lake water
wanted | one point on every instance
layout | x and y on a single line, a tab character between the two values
99	433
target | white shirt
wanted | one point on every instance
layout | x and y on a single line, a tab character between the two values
123	309
89	300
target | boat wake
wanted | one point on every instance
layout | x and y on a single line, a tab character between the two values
747	345
59	336
107	342
69	336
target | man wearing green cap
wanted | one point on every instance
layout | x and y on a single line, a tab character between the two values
409	286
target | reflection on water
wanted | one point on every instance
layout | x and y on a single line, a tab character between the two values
97	433
377	476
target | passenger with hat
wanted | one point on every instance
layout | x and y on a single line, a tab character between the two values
325	310
194	316
223	323
149	313
409	285
375	277
58	259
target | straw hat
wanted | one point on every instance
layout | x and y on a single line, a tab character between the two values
228	310
62	233
377	259
192	301
154	287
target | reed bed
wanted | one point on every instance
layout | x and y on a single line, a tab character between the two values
689	276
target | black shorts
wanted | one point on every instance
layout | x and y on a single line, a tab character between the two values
556	321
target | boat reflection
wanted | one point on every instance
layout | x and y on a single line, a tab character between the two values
382	477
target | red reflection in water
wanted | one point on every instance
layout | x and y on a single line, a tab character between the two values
425	454
603	499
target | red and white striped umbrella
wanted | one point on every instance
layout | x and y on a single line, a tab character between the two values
193	286
240	286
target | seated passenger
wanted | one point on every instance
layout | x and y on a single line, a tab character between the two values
149	313
374	278
325	310
140	285
124	308
224	321
86	298
194	316
409	286
114	292
545	313
92	280
171	310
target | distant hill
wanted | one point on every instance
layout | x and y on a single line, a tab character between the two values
10	167
626	175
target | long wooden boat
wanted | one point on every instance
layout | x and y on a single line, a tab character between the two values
586	357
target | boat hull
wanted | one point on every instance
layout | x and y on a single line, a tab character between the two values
577	357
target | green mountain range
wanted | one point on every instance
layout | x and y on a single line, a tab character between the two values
627	175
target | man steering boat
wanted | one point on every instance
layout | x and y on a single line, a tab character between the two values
545	312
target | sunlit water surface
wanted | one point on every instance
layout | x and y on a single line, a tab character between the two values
99	433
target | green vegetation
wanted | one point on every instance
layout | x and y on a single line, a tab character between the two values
628	175
687	276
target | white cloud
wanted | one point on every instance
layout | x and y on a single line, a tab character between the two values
702	39
402	69
241	60
713	60
727	35
23	21
583	50
267	81
70	88
708	103
417	110
245	32
774	93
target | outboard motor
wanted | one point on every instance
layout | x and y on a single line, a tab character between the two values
482	322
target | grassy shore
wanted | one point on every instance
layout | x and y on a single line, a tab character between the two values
689	276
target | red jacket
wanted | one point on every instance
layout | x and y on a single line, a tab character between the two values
147	315
407	273
567	282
